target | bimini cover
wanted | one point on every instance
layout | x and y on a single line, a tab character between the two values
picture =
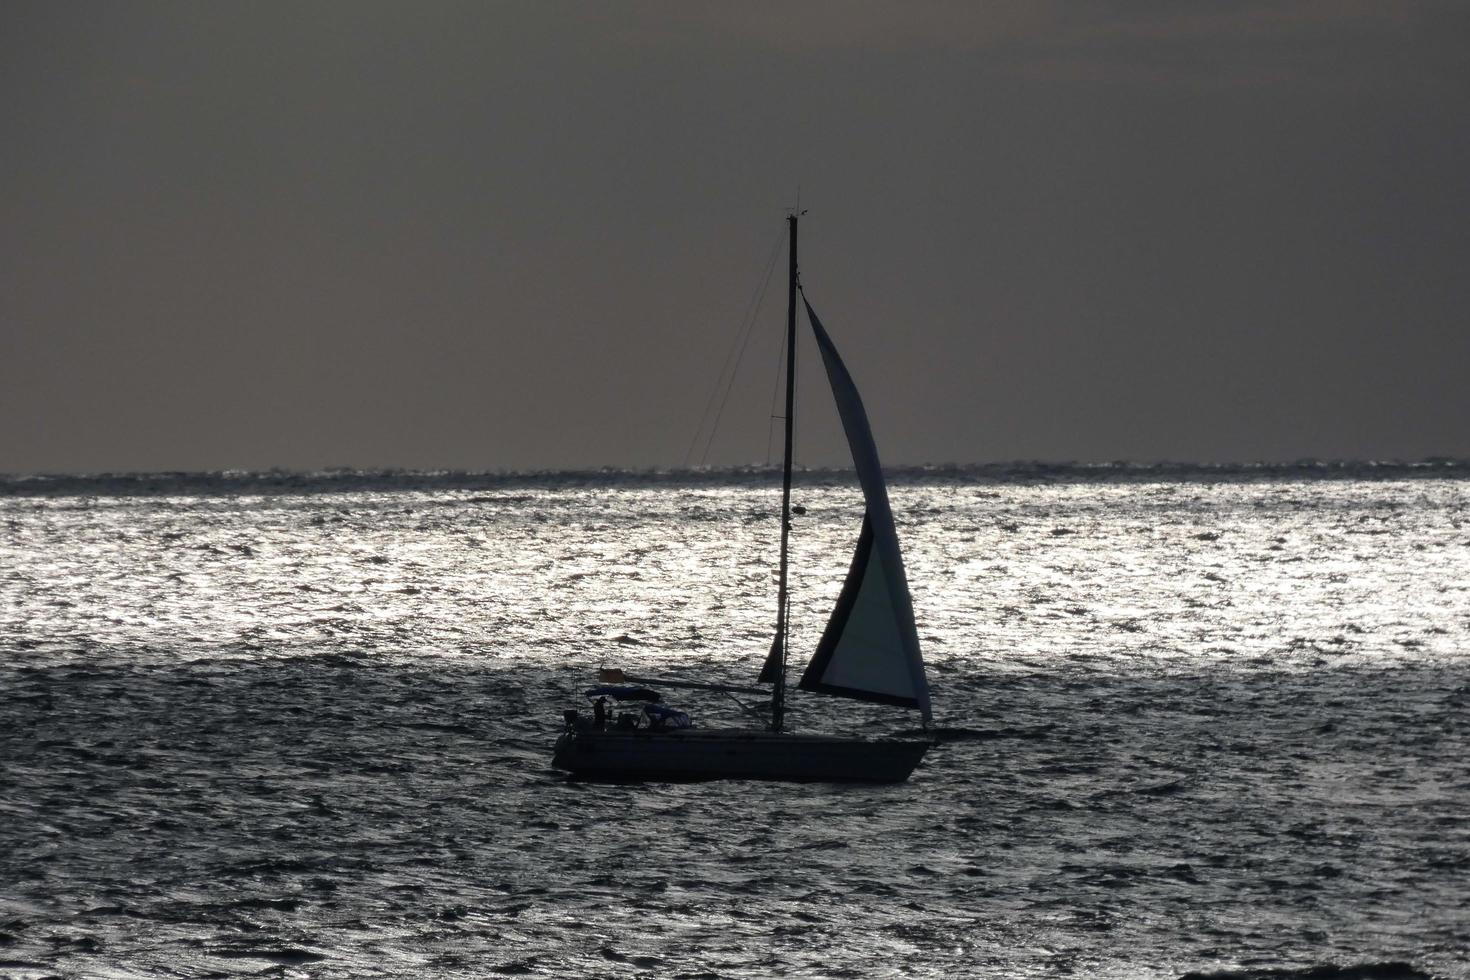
663	717
870	648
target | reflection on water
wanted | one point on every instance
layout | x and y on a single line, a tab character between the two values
1194	723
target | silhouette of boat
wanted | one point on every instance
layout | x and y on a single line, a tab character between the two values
869	650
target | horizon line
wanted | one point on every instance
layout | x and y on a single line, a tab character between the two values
276	472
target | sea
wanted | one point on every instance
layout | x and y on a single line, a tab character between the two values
1191	721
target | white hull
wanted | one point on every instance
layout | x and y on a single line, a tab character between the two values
692	753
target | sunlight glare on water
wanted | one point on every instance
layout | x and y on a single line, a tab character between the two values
1193	721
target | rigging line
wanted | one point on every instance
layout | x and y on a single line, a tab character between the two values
752	315
796	395
775	393
775	390
795	570
742	329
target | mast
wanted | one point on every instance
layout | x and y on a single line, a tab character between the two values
778	697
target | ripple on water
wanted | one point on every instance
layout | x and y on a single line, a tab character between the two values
1217	726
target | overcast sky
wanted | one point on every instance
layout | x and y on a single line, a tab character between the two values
523	235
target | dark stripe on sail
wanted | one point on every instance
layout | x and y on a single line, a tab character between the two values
811	680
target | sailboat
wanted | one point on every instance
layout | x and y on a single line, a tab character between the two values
869	650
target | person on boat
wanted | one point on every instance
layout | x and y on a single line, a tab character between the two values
599	713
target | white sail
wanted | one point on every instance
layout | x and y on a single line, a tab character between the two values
870	649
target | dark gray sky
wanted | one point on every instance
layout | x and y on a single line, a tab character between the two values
523	235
